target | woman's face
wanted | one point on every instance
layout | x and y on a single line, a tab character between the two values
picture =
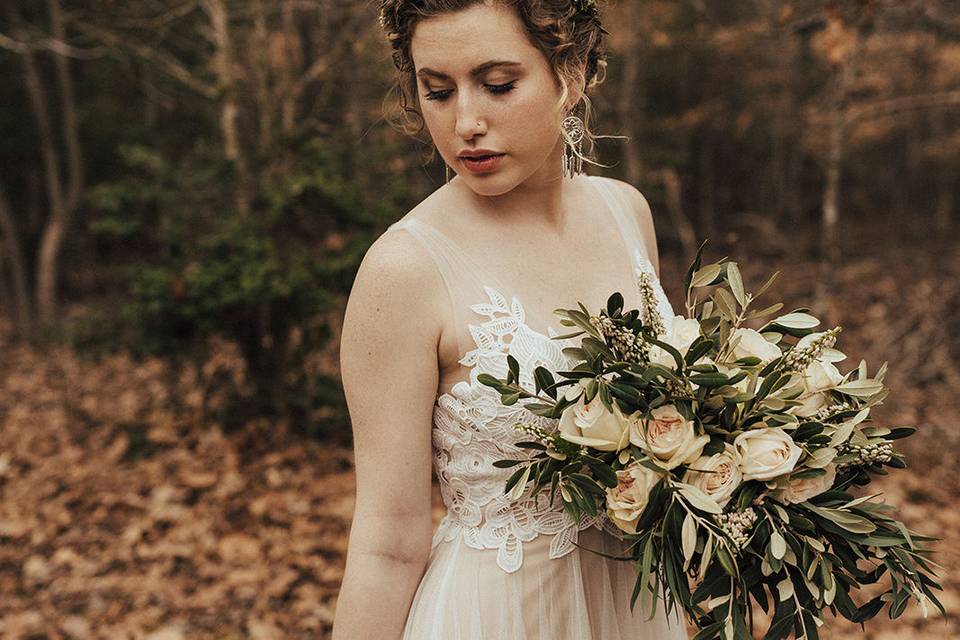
477	66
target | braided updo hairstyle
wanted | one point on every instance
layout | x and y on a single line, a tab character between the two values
567	32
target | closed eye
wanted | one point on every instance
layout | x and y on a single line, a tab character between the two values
492	88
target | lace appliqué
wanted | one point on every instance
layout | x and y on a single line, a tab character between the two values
473	429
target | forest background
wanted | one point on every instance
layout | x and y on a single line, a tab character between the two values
188	187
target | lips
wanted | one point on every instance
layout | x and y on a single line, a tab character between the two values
482	163
476	153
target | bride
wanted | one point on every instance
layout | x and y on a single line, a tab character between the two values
470	275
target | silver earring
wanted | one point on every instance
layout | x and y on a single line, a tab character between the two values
572	129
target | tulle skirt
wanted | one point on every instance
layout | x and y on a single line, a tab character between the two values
464	595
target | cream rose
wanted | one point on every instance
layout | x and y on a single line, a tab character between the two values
627	500
667	436
820	375
680	334
817	377
802	489
809	405
718	475
752	343
590	424
766	453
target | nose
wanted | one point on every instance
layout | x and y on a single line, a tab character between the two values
469	118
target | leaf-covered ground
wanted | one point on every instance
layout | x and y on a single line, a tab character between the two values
119	519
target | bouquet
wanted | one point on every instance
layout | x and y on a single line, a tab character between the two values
728	457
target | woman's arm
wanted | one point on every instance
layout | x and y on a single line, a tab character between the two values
388	363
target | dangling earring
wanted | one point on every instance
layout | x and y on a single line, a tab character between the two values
572	129
447	172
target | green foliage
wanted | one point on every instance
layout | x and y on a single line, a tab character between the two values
717	559
263	279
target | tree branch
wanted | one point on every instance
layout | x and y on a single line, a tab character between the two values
903	103
52	45
167	63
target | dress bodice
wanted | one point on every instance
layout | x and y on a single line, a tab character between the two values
472	429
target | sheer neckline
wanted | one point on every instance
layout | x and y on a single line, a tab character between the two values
446	389
487	278
635	258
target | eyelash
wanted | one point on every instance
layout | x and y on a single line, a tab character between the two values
494	88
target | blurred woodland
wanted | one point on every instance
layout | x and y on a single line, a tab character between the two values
188	187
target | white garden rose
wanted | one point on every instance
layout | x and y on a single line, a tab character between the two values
820	375
680	334
627	500
752	343
809	405
766	453
801	489
592	425
718	475
667	436
817	377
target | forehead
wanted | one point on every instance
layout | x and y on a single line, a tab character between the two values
458	41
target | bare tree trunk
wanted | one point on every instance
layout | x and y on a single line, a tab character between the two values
71	138
630	92
829	206
55	231
223	63
289	106
946	182
786	151
62	200
151	111
260	64
946	179
674	191
793	194
23	309
829	257
706	174
5	293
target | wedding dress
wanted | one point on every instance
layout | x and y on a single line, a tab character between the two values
509	570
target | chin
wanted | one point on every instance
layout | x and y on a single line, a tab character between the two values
490	188
489	185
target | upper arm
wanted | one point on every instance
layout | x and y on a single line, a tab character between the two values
389	368
644	218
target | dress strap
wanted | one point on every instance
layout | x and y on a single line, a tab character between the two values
465	280
624	215
458	268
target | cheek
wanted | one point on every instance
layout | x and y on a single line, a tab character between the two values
435	121
533	114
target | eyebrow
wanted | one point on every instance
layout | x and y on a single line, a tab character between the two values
476	71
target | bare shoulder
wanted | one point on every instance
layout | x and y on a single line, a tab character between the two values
644	217
395	270
399	277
